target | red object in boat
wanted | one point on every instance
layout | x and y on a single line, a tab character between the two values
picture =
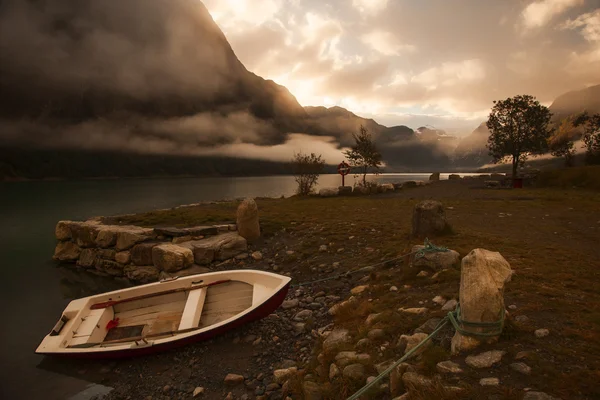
113	323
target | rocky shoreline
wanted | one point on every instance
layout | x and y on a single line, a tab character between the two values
329	338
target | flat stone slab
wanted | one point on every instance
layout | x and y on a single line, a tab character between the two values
485	360
193	231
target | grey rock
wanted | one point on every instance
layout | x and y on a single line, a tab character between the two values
522	319
435	260
171	258
247	220
429	326
311	391
67	251
303	315
409	342
450	305
334	371
376	334
233	379
288	304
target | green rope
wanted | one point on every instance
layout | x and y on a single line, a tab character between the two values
429	248
454	318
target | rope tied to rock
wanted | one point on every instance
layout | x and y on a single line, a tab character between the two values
452	317
429	248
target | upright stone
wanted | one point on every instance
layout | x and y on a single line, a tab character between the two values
435	176
247	220
483	276
429	219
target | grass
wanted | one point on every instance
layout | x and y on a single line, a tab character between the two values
583	177
549	236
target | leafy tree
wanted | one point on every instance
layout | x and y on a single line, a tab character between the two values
591	136
519	127
561	144
307	168
364	154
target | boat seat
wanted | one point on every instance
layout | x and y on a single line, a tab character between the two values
93	327
193	309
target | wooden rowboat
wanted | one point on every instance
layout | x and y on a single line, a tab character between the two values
159	316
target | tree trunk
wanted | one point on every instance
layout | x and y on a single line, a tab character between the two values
365	177
515	166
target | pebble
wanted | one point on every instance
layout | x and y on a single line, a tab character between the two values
521	367
257	255
423	274
448	367
418	310
538	396
303	315
334	371
393	289
198	391
540	333
512	307
376	334
439	300
489	382
359	289
290	252
450	305
485	360
521	318
336	264
233	379
286	305
323	247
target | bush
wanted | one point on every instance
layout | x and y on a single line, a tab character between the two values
307	168
586	177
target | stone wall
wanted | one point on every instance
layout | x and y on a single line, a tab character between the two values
145	254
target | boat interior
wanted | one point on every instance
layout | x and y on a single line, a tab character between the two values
162	315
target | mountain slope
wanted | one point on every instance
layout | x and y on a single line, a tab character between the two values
575	102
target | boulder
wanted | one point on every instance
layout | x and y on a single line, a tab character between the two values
355	372
429	219
538	396
87	258
66	251
344	190
448	367
409	342
486	359
409	184
337	339
344	358
129	236
483	276
107	236
110	267
282	375
63	230
142	274
435	176
220	247
233	379
396	383
388	187
181	239
435	261
123	257
360	190
454	177
84	234
171	258
247	220
328	192
311	391
141	254
193	270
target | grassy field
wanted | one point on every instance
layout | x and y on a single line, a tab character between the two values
551	238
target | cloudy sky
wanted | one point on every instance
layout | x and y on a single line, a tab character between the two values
411	62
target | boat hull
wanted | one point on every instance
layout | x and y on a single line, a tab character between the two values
262	311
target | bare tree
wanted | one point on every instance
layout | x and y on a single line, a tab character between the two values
307	168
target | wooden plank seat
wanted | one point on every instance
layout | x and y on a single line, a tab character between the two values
93	327
193	309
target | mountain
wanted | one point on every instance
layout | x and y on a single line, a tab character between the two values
575	102
471	150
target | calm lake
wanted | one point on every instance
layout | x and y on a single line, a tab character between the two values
34	292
